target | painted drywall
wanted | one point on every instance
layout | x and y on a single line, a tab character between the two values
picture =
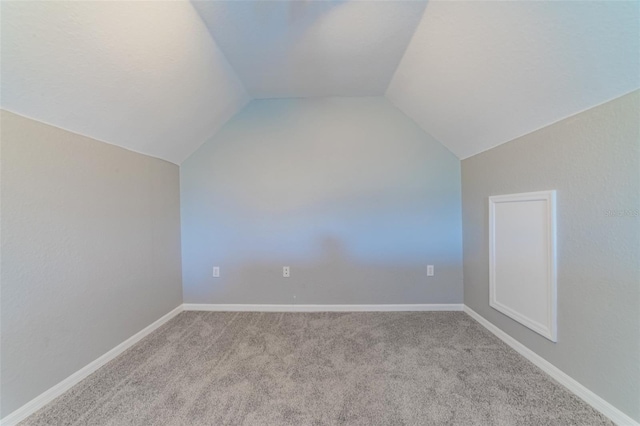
480	73
90	252
593	161
146	76
312	48
161	77
348	192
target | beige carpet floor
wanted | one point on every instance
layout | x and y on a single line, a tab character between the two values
391	368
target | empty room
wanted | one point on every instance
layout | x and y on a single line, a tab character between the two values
319	212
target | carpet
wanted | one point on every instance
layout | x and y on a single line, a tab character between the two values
381	368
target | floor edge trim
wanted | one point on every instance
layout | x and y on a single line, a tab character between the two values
55	391
558	375
323	308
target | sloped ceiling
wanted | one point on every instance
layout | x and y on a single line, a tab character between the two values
312	48
161	77
142	75
480	73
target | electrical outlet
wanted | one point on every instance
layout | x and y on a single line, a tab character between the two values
430	271
285	271
216	271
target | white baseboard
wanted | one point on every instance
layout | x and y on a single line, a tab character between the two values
617	416
585	394
44	398
322	308
47	396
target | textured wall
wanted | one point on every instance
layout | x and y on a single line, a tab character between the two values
593	161
348	192
90	252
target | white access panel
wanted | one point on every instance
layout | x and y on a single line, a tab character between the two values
522	256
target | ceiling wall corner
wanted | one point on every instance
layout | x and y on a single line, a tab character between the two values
406	111
224	56
224	118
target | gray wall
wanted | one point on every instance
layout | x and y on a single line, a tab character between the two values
348	192
593	161
90	252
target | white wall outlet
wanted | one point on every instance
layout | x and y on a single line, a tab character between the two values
216	271
285	271
430	272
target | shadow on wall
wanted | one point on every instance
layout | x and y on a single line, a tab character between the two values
362	249
347	192
333	277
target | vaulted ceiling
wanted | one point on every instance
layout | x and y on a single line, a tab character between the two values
161	77
313	48
480	73
146	76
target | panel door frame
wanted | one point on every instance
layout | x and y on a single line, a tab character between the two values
550	329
